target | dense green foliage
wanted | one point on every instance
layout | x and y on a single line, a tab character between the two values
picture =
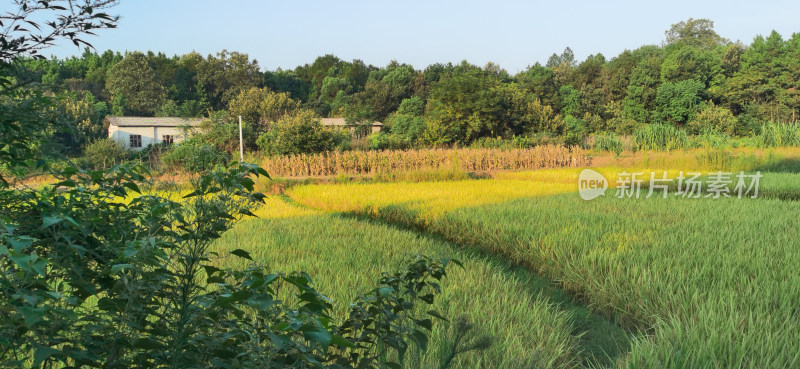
195	156
697	81
300	133
105	153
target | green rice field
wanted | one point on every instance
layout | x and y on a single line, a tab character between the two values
557	281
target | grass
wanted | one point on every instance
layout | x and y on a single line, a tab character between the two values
712	282
533	323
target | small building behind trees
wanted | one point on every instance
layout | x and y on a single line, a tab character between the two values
359	130
138	132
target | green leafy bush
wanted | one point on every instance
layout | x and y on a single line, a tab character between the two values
387	141
608	142
195	156
660	137
96	275
515	142
300	133
574	131
104	153
713	118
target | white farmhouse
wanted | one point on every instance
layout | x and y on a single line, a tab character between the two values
358	130
139	132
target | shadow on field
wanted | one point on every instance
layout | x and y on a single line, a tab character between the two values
601	340
780	166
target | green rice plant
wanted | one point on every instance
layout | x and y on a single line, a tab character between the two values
660	137
531	323
713	281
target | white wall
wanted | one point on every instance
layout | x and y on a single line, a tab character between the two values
150	135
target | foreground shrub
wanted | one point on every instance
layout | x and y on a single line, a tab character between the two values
104	153
94	275
195	156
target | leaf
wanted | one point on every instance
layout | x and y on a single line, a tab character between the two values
425	323
263	172
436	314
210	269
318	335
41	354
421	339
49	221
385	291
242	254
215	279
23	261
341	342
40	266
132	186
32	315
118	267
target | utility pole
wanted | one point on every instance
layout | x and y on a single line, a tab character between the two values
241	142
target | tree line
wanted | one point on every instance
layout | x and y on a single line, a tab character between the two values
696	80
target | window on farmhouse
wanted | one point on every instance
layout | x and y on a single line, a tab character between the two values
168	139
136	141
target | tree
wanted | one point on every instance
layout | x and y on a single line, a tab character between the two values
260	106
408	121
26	116
678	102
712	118
694	32
134	82
463	108
684	62
227	74
63	19
640	99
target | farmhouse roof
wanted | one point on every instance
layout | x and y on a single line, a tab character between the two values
341	122
153	121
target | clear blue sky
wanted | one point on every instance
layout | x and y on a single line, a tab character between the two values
513	34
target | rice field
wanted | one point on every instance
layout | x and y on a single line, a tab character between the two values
563	282
532	323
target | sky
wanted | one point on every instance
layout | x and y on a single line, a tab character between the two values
513	34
